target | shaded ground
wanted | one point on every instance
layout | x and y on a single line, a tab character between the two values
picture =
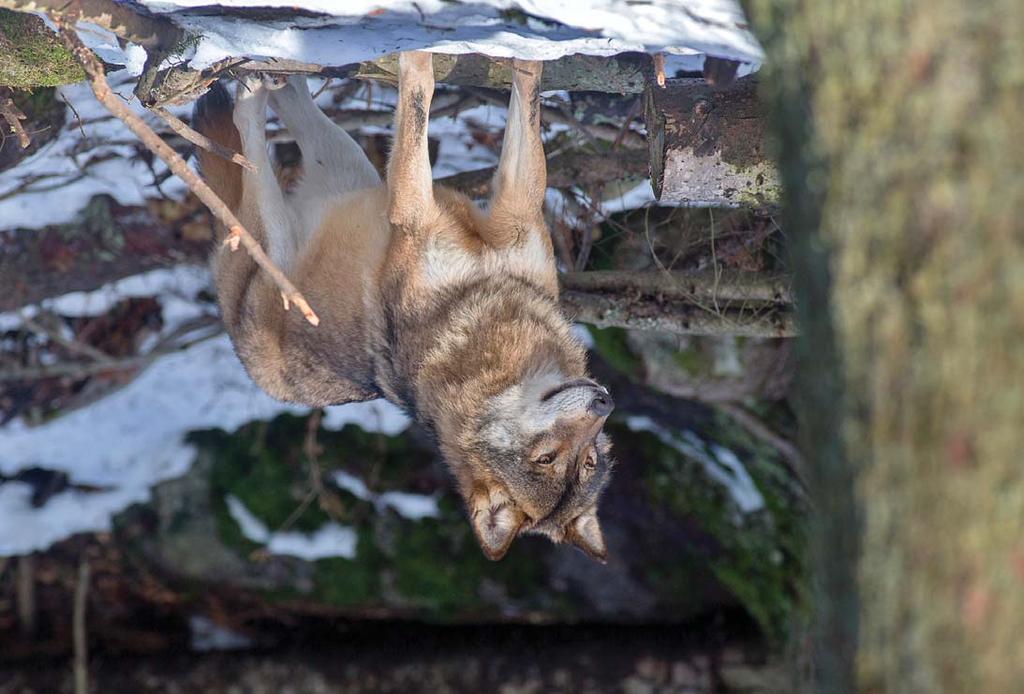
409	657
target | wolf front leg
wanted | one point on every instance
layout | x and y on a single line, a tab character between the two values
332	162
410	183
262	206
517	205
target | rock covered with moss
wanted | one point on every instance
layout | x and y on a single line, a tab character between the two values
371	525
32	56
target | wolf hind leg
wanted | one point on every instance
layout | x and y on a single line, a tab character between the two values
262	204
332	162
521	179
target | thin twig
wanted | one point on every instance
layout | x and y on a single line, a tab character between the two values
13	116
25	589
659	69
76	370
81	645
328	501
73	345
553	115
236	233
199	140
762	431
322	89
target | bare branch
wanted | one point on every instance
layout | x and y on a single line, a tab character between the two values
753	424
73	345
13	116
731	286
25	588
237	234
76	370
79	634
200	140
677	316
552	115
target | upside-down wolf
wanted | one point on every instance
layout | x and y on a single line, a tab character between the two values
447	311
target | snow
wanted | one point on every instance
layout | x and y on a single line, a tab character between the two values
133	439
207	636
177	287
346	32
720	464
412	506
64	184
353	30
330	540
583	334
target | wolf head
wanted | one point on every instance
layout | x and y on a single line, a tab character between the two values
539	461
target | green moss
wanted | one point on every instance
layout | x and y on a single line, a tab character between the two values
693	360
613	346
758	556
350	582
431	567
270	484
32	56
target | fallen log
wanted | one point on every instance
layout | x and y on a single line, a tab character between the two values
678	316
625	73
564	171
707	145
730	286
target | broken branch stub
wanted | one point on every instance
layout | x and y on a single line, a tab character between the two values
707	145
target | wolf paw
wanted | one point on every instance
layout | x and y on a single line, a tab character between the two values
255	83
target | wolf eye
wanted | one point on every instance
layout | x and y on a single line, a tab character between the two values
590	463
545	459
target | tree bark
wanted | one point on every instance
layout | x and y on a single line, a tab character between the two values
898	155
728	286
707	145
624	73
681	317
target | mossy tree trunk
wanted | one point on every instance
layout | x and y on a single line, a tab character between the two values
899	138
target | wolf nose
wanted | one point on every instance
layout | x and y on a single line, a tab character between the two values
602	405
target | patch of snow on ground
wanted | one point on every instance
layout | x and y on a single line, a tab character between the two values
330	540
176	287
63	179
207	635
412	506
583	334
721	464
133	439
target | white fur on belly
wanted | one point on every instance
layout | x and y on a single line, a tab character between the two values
445	263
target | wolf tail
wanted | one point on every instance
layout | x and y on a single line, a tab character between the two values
212	117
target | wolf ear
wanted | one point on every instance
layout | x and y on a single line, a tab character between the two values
496	521
585	532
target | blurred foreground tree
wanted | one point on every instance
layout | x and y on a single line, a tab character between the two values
898	126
